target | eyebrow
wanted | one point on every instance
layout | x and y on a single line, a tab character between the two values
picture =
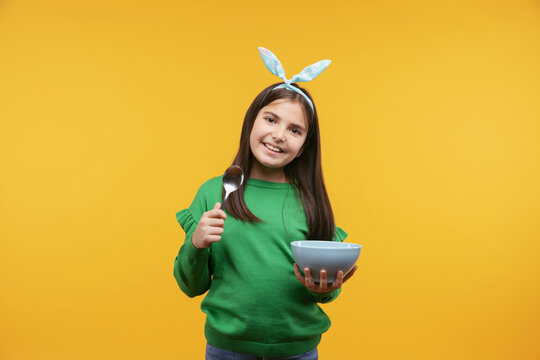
276	116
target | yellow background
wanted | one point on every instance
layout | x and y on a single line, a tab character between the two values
112	113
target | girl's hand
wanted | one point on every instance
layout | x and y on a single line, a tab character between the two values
322	287
210	227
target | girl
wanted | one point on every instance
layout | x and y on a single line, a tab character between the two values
259	304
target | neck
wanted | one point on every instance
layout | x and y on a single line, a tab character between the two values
267	174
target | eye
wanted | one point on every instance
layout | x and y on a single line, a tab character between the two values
270	120
296	131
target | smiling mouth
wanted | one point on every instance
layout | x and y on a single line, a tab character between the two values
273	148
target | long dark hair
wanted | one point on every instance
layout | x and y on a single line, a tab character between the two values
305	171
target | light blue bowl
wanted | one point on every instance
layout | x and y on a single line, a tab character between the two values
331	256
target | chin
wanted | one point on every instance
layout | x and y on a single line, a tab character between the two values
271	166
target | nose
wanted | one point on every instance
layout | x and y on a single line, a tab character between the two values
278	134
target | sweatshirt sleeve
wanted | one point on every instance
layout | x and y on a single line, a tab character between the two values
340	235
192	266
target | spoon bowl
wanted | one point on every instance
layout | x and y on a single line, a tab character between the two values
233	178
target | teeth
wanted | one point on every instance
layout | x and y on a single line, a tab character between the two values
272	148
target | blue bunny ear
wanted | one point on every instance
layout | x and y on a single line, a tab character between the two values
272	63
311	72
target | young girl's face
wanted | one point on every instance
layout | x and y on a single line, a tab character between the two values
277	137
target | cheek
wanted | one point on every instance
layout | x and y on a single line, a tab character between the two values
256	130
298	145
255	136
252	139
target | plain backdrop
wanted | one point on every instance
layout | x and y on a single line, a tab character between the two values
113	113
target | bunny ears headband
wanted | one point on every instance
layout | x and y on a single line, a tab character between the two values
309	73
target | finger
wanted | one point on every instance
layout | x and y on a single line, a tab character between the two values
348	276
339	280
323	284
298	274
213	238
308	282
215	230
216	213
215	222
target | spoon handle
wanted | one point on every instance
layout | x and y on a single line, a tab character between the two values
224	201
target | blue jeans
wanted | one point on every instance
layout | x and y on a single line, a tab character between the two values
214	353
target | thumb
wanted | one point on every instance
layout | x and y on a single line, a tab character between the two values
216	212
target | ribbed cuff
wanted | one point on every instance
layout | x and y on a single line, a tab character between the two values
326	297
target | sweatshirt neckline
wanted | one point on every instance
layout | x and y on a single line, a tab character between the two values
268	184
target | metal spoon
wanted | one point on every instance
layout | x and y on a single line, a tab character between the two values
232	180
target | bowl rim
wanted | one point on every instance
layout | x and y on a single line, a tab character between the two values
295	244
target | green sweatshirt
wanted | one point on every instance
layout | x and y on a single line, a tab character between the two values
255	305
